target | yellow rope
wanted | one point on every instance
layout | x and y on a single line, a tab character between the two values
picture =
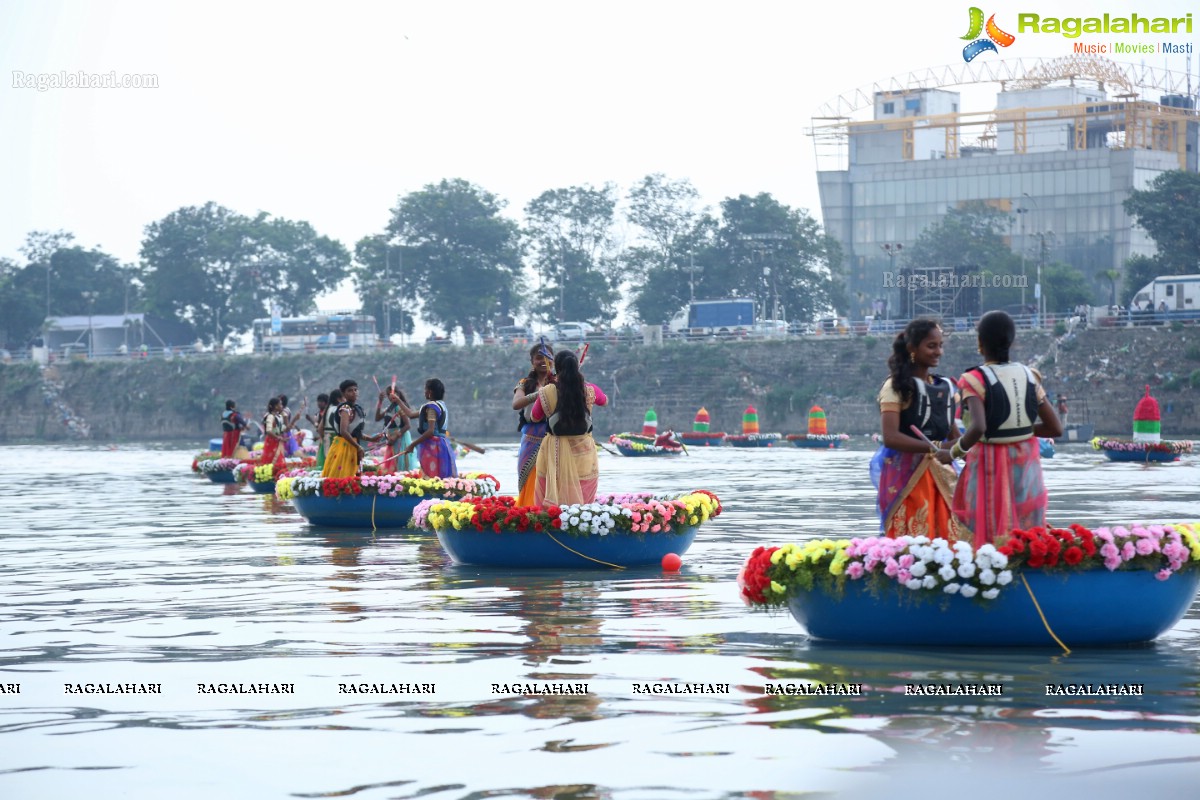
1066	650
581	555
373	498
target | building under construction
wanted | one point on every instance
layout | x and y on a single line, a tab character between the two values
1066	143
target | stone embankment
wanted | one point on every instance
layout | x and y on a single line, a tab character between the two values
1101	371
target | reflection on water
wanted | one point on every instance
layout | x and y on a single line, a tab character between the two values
121	568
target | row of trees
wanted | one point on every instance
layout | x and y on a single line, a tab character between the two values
449	254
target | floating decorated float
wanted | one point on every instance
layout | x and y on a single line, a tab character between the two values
615	531
700	435
818	435
375	501
1070	586
219	470
207	455
648	442
750	436
1147	444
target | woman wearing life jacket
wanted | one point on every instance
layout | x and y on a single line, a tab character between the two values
232	425
432	445
345	449
541	358
567	469
396	430
915	489
1001	485
274	430
318	423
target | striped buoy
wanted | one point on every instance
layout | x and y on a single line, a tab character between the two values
650	426
816	422
1147	424
700	423
750	420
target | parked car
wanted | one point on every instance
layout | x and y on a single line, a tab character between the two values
572	331
515	335
770	328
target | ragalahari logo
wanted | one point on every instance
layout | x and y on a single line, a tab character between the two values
995	36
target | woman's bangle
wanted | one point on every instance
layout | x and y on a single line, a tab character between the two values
957	451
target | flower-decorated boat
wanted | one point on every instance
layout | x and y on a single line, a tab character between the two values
615	531
700	435
636	445
1071	587
818	436
1147	445
375	501
648	442
750	436
219	470
207	455
261	477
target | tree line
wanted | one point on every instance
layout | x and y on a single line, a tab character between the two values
450	255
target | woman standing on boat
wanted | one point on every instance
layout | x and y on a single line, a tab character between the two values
345	450
274	430
318	423
915	490
524	395
396	430
567	470
432	444
1001	485
232	425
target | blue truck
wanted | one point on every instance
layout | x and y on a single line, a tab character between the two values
732	317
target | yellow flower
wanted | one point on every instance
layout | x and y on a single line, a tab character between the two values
777	588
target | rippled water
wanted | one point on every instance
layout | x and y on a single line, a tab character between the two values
122	567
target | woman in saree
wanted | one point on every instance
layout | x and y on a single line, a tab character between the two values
432	445
345	450
274	430
916	490
524	395
396	430
567	469
1001	486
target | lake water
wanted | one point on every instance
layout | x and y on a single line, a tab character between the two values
122	567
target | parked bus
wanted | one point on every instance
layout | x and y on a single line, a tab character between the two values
316	332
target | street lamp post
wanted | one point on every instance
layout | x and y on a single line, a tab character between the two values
90	297
892	249
1021	212
387	293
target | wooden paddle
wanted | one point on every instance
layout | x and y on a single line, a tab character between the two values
474	447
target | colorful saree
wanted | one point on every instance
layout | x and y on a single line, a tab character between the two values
915	496
567	469
1001	488
532	435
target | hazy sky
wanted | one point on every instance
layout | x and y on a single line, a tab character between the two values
328	112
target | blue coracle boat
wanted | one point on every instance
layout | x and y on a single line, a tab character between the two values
561	550
357	511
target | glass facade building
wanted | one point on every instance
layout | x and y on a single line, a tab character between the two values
1059	161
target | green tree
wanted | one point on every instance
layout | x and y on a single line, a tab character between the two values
1169	210
1139	271
1065	287
779	256
465	258
55	277
570	237
972	236
383	288
672	234
218	271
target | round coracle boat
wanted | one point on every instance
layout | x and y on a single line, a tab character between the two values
1146	452
818	441
753	439
219	470
261	477
615	531
1070	587
374	501
702	439
637	445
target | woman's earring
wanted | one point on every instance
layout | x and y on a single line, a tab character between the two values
912	357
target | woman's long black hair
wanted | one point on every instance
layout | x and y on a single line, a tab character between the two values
900	362
530	383
997	332
572	402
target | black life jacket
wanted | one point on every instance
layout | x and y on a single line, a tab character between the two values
227	421
442	418
931	409
358	420
1010	402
